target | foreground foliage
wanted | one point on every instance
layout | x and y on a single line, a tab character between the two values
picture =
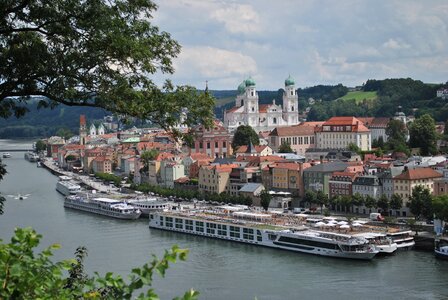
26	274
93	54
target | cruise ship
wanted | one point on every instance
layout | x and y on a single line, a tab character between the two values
31	157
148	205
404	239
254	228
381	242
66	186
103	206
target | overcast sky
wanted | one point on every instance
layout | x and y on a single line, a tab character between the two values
317	42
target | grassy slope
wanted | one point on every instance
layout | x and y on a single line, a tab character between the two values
360	96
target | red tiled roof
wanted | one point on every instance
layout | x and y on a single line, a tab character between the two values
419	173
243	149
357	125
200	156
313	124
163	156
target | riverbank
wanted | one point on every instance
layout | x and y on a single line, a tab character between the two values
84	179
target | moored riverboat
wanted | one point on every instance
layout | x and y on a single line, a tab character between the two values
103	206
441	248
66	186
403	239
148	205
380	241
250	230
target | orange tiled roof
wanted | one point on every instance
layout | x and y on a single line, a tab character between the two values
419	173
312	124
243	149
348	174
357	125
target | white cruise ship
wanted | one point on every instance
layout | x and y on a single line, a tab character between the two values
252	231
103	206
381	241
149	205
404	239
30	156
66	186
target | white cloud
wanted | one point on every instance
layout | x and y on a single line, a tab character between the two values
238	18
395	44
208	62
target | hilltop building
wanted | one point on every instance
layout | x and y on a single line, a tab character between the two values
262	117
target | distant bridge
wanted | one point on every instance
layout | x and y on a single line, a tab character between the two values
15	150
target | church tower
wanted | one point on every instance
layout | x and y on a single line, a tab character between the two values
82	130
290	102
251	103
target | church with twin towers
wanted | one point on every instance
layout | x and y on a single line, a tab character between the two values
262	117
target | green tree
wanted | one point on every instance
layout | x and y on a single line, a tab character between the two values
93	53
345	202
357	200
41	146
244	135
148	156
396	202
423	135
322	200
420	203
265	199
369	202
285	147
384	204
354	148
440	205
309	197
65	133
27	274
396	131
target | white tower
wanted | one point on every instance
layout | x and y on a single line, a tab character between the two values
92	130
101	129
290	102
251	103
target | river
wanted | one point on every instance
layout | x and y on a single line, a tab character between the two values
217	269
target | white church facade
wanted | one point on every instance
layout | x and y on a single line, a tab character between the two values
262	117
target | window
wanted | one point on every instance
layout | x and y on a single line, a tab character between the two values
216	144
292	108
179	224
208	145
253	108
224	144
274	120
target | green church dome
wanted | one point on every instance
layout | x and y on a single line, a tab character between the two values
241	87
289	81
250	82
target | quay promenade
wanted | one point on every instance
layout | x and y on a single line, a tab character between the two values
84	179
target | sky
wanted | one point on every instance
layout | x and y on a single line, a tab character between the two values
316	42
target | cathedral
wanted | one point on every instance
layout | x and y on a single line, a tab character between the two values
262	117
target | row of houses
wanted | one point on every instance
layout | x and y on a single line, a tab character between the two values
212	166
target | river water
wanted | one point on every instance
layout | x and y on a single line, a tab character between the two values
217	269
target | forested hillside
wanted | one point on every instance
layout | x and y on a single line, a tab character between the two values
46	122
415	97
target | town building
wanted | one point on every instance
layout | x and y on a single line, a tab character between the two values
299	137
262	117
317	178
215	178
251	150
340	132
214	142
410	178
442	93
340	183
